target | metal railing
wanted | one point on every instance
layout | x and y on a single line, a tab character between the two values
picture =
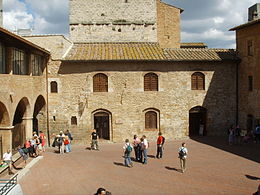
7	184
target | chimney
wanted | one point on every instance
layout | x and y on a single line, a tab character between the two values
1	13
254	12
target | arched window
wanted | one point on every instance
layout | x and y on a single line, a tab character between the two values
54	87
151	82
100	83
150	120
198	81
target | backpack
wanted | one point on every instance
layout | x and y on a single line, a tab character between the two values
128	149
181	153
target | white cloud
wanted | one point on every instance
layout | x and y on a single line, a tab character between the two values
17	20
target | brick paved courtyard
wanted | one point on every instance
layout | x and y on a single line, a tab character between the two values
211	170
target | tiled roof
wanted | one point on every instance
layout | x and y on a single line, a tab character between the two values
201	54
145	51
115	51
250	23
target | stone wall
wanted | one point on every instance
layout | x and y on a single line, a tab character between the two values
168	25
15	88
249	101
126	101
116	20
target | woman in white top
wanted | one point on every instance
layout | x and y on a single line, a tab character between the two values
7	157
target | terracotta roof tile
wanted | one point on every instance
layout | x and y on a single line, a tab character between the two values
145	51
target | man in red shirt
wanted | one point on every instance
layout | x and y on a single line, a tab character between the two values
160	142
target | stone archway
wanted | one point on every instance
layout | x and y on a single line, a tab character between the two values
197	121
20	123
102	123
39	114
4	116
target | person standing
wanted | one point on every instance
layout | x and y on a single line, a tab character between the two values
94	140
144	149
127	153
160	142
136	144
43	140
60	140
7	158
183	151
257	134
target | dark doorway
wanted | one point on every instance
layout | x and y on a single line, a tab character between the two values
39	115
101	124
197	121
18	132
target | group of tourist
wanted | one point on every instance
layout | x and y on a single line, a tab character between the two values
140	147
236	136
63	141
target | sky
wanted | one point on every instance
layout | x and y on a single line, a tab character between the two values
205	21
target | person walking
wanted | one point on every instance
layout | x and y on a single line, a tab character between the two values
145	146
94	140
60	140
136	144
160	142
7	158
183	151
127	153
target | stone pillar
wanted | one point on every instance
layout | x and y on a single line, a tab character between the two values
6	134
28	123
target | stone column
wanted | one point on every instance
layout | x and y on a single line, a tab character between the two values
28	123
6	134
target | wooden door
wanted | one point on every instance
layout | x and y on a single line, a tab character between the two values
101	124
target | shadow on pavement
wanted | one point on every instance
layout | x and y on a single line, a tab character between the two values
151	156
119	164
249	151
252	177
173	169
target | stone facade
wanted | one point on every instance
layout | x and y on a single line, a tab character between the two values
22	96
168	25
126	101
249	99
125	21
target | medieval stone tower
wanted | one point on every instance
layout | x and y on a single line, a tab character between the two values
124	21
1	13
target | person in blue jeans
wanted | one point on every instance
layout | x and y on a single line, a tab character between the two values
144	145
127	153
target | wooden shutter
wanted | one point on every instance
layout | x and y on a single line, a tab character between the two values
150	120
197	81
150	82
100	83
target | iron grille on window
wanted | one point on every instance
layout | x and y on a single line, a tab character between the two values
19	62
2	59
151	82
197	81
37	64
150	120
100	83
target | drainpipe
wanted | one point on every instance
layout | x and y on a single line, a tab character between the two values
47	102
237	94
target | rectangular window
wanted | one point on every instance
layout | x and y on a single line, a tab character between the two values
19	62
250	83
37	64
250	50
2	59
73	120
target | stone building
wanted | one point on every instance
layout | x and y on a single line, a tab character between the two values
124	73
248	47
23	89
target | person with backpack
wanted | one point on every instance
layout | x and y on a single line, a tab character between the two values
127	153
160	142
60	140
183	156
